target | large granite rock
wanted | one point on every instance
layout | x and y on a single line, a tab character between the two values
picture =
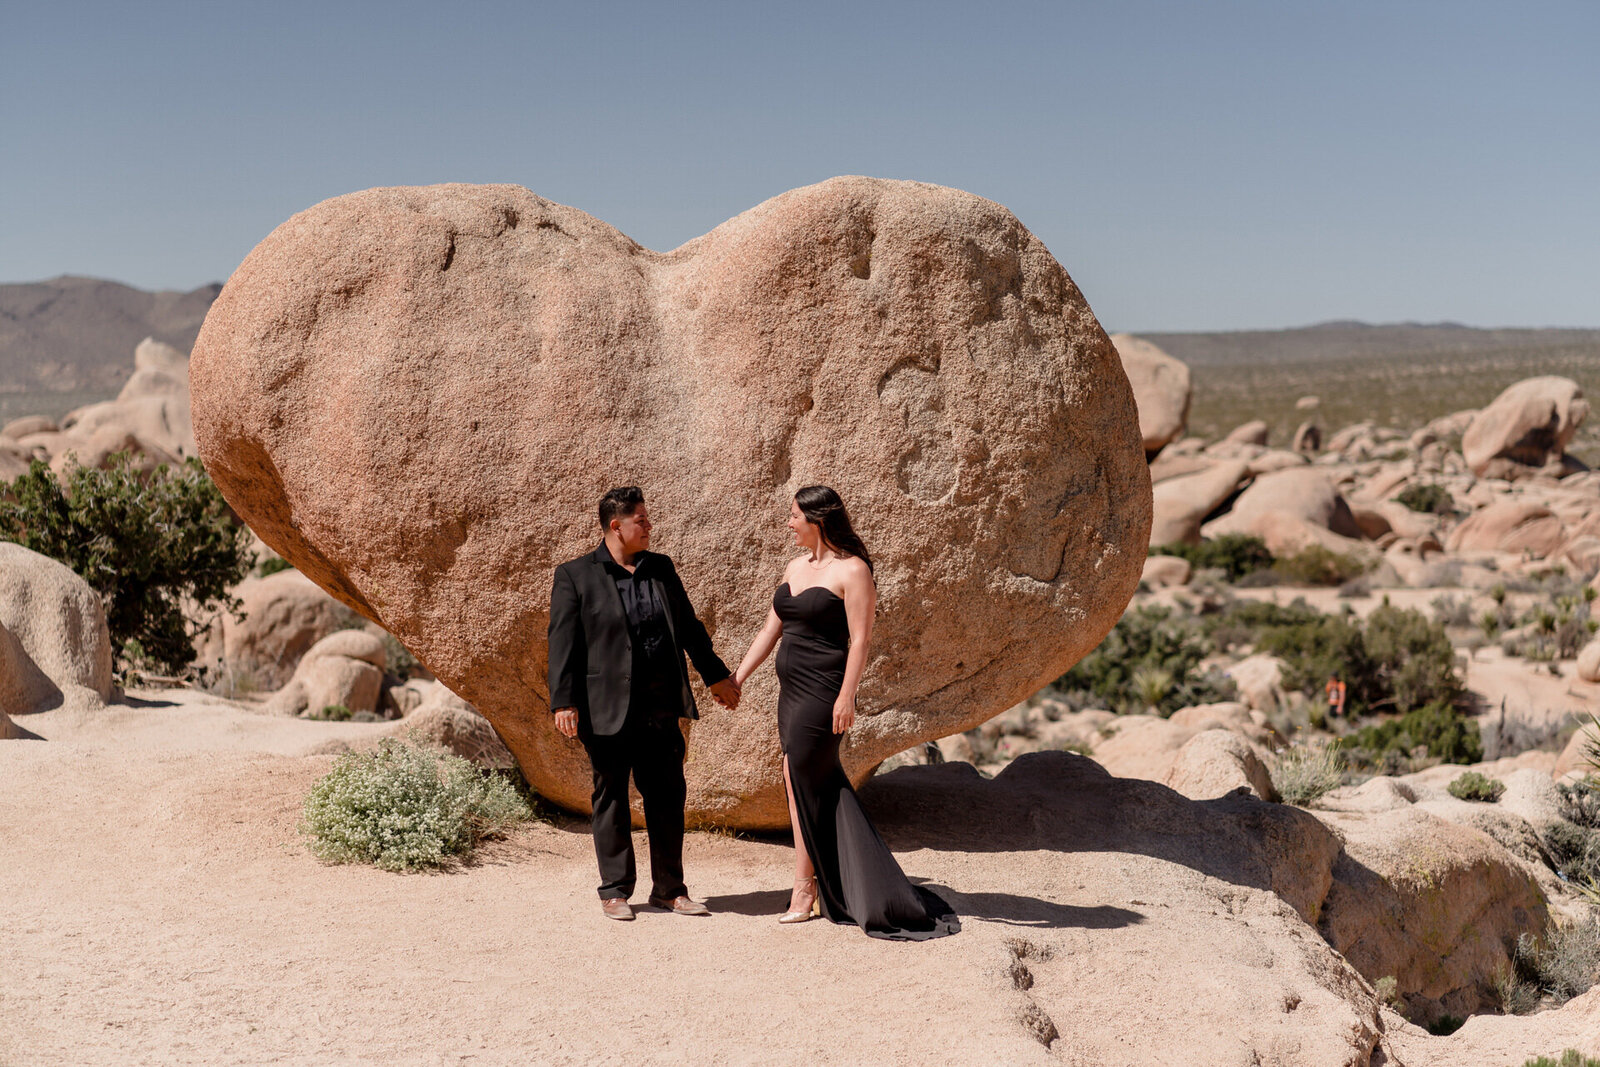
1437	906
55	650
1181	504
417	395
1161	389
1530	424
344	669
1509	526
283	615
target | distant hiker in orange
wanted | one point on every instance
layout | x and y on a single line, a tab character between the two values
1335	691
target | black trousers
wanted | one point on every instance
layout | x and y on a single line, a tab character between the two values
649	747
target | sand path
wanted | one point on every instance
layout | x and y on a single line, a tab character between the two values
161	910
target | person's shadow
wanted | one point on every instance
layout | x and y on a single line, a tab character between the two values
1008	908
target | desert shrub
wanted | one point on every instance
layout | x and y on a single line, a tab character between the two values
1398	660
1575	849
1356	587
402	664
1452	611
1145	640
1430	499
150	546
272	565
1569	1058
1388	990
1319	565
1474	786
1566	964
1438	729
1515	995
1320	647
1303	773
1580	801
230	680
1235	554
1243	621
329	713
401	808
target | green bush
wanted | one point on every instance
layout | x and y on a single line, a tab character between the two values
1566	964
1575	848
1441	731
1474	786
1243	621
404	808
1319	565
1430	499
1150	652
1398	660
330	713
150	546
272	565
1235	554
1302	774
1569	1058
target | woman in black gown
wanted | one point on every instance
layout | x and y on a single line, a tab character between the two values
823	612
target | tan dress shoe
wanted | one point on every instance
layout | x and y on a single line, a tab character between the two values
617	908
680	905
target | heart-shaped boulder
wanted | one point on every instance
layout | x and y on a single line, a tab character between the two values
418	395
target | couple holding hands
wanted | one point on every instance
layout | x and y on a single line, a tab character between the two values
620	623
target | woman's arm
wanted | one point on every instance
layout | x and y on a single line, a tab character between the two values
860	602
760	648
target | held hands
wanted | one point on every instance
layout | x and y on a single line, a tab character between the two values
726	693
567	721
844	714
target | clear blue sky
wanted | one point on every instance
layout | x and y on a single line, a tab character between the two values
1193	165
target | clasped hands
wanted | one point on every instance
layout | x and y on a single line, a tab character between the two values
725	692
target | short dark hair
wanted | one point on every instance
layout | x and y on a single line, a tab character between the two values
618	503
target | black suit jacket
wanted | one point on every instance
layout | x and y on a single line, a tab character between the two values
591	653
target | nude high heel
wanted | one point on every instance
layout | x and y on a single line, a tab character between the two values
810	913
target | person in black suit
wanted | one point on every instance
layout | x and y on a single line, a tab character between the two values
620	623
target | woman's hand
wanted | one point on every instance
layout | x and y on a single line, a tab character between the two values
844	714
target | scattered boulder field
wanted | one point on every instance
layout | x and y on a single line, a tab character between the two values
1017	467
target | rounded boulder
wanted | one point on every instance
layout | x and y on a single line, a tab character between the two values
417	396
55	649
1161	389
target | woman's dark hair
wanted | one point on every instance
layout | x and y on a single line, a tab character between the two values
821	505
619	503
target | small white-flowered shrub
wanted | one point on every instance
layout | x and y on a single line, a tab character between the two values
402	807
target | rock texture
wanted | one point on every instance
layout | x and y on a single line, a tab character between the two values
1241	878
1214	763
1509	526
1161	389
1529	424
415	395
1182	503
446	721
344	668
55	650
284	614
1436	905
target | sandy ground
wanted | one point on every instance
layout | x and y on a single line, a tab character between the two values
160	909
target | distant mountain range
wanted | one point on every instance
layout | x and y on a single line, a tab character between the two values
78	334
1333	342
74	334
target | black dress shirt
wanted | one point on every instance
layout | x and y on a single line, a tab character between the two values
655	670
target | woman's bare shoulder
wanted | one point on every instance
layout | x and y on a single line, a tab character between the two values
854	571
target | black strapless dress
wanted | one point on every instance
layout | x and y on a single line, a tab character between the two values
858	880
